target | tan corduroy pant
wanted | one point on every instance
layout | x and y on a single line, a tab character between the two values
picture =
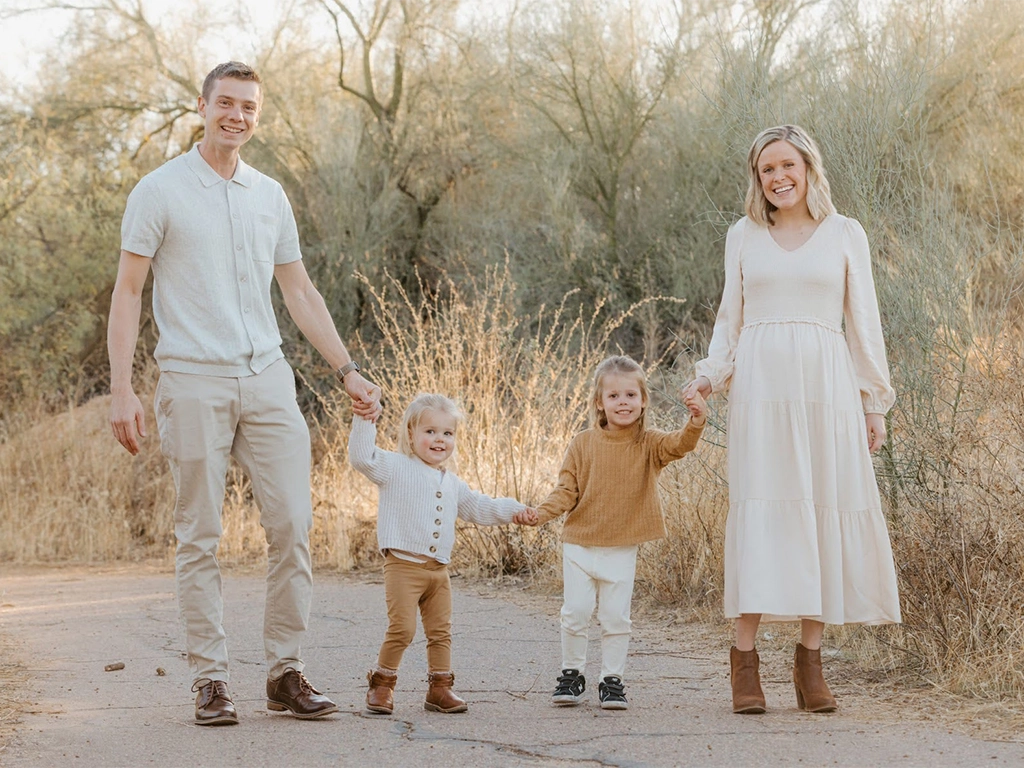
203	421
425	587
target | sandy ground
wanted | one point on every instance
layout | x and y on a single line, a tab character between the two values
59	628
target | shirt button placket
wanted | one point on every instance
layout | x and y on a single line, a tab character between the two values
242	264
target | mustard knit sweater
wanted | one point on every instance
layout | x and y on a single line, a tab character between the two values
608	484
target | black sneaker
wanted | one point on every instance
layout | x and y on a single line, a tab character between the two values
570	688
612	693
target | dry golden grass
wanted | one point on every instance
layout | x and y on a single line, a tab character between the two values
70	493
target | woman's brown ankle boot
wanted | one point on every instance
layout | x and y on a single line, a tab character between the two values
440	697
380	698
747	697
812	693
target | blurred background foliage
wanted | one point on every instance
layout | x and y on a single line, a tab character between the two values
491	196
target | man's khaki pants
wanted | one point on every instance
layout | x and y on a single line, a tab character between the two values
203	421
408	588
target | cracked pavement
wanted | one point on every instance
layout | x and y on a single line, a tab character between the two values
66	624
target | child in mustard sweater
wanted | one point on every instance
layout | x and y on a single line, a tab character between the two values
607	488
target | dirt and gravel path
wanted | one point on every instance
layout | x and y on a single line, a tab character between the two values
64	626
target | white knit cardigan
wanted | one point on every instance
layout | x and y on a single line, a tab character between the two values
419	504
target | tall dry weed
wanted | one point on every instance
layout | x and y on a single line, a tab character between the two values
523	383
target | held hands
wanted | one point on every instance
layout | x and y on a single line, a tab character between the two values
527	517
697	406
876	430
128	420
365	397
699	386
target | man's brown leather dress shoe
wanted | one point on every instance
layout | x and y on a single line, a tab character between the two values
213	703
292	692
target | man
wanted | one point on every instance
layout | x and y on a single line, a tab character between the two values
216	232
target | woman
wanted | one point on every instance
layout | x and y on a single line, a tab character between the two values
805	536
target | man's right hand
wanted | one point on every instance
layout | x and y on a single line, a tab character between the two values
128	420
365	396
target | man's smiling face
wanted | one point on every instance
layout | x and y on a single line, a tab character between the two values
231	114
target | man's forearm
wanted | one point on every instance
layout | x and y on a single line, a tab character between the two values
312	317
122	337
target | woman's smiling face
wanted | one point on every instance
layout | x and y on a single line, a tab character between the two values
783	174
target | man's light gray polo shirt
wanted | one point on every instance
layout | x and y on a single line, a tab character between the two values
214	243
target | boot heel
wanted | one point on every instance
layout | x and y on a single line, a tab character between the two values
273	706
812	693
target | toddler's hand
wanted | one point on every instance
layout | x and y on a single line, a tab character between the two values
527	517
695	403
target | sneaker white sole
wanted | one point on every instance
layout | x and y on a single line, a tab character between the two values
614	705
566	701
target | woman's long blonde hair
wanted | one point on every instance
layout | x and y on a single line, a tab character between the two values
617	364
819	194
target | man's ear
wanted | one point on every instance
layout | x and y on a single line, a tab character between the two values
201	106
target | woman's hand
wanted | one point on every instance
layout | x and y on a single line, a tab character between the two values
699	386
876	430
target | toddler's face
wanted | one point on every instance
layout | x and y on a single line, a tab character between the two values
433	439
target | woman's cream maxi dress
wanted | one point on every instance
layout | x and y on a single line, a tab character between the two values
805	536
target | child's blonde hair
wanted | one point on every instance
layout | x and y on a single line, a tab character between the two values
617	364
423	402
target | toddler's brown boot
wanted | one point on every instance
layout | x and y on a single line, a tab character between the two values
380	698
440	697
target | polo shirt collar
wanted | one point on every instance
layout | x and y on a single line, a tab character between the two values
243	173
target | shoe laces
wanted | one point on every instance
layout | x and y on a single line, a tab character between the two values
304	685
218	689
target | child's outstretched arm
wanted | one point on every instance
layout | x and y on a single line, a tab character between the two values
566	493
363	453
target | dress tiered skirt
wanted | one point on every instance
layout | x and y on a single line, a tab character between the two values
805	536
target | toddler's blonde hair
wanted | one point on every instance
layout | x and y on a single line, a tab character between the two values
423	402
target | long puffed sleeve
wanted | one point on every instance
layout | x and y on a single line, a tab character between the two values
363	453
718	365
863	324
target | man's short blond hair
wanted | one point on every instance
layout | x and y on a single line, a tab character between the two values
236	70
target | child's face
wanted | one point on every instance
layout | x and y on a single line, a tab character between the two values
433	439
621	400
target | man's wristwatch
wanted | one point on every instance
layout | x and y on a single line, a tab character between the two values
347	368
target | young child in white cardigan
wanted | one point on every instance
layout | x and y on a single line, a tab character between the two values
419	502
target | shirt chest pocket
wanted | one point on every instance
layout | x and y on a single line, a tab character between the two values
265	232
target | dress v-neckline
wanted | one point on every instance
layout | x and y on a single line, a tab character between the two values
803	244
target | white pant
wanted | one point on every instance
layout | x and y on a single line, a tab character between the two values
203	421
601	576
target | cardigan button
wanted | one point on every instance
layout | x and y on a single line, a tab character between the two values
438	521
437	535
440	508
433	549
438	494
